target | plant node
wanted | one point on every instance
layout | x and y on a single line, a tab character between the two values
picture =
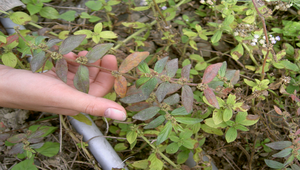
82	60
55	56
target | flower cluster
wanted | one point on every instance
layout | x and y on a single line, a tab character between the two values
164	8
244	30
143	3
210	2
279	5
262	41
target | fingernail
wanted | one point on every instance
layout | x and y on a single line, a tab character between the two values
115	114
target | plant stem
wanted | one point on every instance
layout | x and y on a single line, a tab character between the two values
40	27
159	152
159	11
250	53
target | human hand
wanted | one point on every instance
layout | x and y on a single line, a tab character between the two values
46	92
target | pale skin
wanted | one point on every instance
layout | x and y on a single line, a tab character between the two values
46	92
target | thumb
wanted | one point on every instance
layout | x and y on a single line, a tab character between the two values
96	106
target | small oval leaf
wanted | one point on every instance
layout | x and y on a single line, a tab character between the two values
147	113
211	72
81	79
38	61
187	98
160	64
120	86
132	61
156	122
172	67
71	43
61	69
162	91
211	97
185	72
98	52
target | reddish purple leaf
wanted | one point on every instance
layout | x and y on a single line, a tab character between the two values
71	43
17	138
173	88
4	136
2	126
98	52
61	69
162	91
235	78
132	61
81	79
174	99
10	39
120	86
17	148
211	72
185	72
138	106
38	61
187	98
172	67
211	97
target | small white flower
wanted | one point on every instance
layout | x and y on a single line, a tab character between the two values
264	45
270	35
256	36
235	33
273	42
254	40
202	2
268	0
272	39
164	8
277	38
253	44
143	3
262	41
264	37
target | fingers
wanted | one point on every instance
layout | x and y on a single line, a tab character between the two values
96	106
104	81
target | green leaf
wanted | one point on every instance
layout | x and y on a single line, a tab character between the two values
240	117
131	136
81	79
71	43
88	33
141	8
49	149
216	37
25	165
228	20
179	111
49	13
283	153
274	164
143	67
142	164
149	86
47	130
237	52
68	16
164	134
94	5
108	35
98	28
249	19
147	113
160	64
20	18
141	81
135	25
189	143
183	156
211	130
217	116
250	83
155	163
222	70
33	9
94	18
120	147
250	120
188	120
82	118
231	134
172	148
98	52
227	115
156	122
241	127
279	145
9	59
